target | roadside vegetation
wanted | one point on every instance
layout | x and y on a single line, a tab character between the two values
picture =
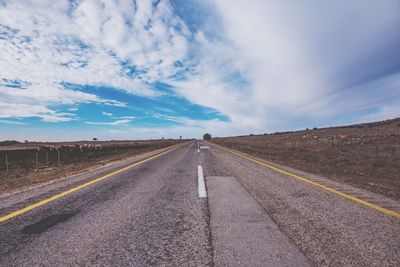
207	136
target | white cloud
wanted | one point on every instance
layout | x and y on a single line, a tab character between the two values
186	131
273	61
12	122
294	51
128	117
384	113
12	110
260	62
47	44
106	113
117	122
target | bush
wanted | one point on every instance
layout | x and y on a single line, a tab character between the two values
8	143
207	136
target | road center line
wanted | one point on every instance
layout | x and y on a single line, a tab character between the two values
201	184
74	189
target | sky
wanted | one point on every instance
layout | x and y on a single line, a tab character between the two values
126	69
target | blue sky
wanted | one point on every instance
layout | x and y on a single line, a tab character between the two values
72	70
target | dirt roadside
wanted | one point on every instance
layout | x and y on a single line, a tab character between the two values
366	155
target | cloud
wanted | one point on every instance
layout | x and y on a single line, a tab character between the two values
196	129
273	62
117	122
12	122
128	117
125	45
263	64
383	113
11	110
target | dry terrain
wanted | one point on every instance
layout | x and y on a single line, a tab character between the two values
30	163
364	155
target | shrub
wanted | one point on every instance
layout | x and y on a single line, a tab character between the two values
207	136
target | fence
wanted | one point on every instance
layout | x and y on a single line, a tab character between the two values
31	159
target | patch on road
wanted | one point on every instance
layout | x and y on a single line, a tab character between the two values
242	232
204	147
46	223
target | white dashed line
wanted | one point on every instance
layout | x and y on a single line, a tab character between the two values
201	184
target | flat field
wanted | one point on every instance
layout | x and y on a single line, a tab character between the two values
364	155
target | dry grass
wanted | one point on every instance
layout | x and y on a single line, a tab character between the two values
367	155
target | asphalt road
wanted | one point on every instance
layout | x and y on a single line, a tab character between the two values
152	215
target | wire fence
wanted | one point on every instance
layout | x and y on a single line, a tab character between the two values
41	157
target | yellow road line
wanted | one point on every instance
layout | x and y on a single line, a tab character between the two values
357	200
72	190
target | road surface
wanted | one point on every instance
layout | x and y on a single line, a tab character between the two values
194	206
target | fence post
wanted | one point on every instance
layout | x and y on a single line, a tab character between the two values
58	157
47	158
37	160
6	163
